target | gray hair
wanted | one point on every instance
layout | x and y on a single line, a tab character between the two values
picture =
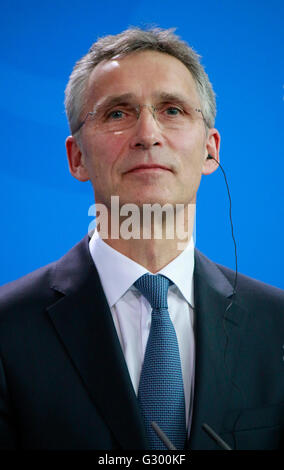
130	41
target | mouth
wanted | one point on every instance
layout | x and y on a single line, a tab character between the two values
150	168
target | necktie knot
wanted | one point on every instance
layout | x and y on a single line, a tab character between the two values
154	287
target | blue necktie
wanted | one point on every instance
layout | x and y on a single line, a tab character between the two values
161	392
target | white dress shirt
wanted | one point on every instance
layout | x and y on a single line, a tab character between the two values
131	311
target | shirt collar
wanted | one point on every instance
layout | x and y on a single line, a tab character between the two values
180	272
118	273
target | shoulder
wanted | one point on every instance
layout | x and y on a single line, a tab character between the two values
27	290
38	289
250	293
255	291
264	302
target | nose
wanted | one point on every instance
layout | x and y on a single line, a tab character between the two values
146	133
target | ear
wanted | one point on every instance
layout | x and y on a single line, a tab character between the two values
76	160
212	148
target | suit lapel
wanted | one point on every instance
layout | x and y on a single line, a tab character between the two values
84	323
218	336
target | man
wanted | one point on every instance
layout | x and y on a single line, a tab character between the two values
122	330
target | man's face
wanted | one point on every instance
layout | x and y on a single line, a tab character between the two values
148	162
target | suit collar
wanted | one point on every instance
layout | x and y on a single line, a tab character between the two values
206	269
84	324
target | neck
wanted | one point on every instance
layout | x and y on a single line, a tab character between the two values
154	243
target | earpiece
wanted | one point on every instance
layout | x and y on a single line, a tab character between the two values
209	157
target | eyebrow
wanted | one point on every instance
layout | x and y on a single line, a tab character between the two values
176	97
114	100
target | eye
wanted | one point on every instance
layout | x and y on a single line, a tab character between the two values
173	111
116	114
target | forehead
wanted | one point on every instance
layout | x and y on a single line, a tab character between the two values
141	74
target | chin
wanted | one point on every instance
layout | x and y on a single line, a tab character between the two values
151	199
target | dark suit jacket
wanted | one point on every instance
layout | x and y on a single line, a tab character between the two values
64	383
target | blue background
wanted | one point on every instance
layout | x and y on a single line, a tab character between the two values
44	211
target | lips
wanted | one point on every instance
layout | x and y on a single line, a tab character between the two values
148	167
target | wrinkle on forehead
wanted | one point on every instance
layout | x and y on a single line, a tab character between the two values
102	76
